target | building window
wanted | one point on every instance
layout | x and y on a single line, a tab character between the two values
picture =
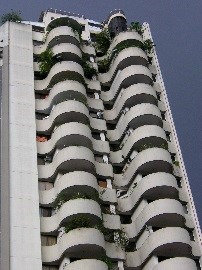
47	240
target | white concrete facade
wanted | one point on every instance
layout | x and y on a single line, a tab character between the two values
94	163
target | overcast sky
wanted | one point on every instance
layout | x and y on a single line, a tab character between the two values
176	27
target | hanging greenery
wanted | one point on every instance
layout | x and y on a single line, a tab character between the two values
46	61
148	46
102	41
62	198
150	145
89	71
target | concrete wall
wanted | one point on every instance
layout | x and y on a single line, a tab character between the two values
23	178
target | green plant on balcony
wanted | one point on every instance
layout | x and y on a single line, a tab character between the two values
150	145
80	221
103	65
46	61
62	198
13	16
89	71
136	26
176	163
148	46
102	41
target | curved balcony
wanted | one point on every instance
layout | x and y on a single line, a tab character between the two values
90	264
128	76
68	211
115	252
148	161
129	97
145	135
60	92
100	147
112	222
70	183
108	195
65	112
124	36
98	124
161	213
73	158
88	49
176	263
66	70
68	134
104	170
78	243
152	187
67	52
174	242
137	116
63	21
127	57
95	104
62	34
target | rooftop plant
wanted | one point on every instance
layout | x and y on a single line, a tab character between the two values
13	16
176	163
136	26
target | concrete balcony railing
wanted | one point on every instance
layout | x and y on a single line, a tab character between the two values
100	147
69	183
129	97
73	158
161	213
127	57
67	111
90	264
156	185
124	36
104	170
60	92
133	74
68	134
98	125
147	134
78	243
182	263
95	104
112	222
66	52
174	242
62	34
60	72
137	116
148	161
70	209
108	195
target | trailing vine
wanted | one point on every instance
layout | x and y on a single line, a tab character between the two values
136	26
46	61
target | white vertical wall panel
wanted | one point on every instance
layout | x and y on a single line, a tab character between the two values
24	201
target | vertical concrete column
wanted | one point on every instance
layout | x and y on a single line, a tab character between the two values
23	175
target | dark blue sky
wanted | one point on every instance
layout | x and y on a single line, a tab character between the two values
177	31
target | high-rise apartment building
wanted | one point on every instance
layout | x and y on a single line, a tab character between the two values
92	176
